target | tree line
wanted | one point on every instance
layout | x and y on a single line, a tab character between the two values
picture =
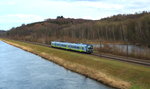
2	33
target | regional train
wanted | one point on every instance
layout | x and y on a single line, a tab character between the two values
86	48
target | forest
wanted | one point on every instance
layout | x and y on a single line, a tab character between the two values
118	29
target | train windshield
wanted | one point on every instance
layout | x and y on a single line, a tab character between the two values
90	47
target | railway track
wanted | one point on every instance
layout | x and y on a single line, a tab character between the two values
125	59
108	56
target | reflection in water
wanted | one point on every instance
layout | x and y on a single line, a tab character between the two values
123	47
133	50
23	70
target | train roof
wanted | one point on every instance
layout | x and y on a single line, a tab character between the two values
71	43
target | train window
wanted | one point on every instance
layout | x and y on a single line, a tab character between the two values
77	47
82	48
90	47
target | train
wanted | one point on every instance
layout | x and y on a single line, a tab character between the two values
79	47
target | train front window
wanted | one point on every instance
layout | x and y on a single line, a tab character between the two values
90	47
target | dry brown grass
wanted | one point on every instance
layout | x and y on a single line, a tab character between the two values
87	71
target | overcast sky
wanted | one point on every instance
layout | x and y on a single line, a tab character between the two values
13	13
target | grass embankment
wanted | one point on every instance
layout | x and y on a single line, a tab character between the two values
114	73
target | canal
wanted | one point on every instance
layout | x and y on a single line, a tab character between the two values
23	70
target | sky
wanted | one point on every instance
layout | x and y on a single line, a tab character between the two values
14	13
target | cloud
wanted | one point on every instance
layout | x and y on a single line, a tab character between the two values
7	2
14	20
22	18
101	5
27	11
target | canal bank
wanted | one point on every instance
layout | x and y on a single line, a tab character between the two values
20	69
112	73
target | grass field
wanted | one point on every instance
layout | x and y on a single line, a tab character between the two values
114	73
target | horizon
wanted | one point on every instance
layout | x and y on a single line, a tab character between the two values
16	12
